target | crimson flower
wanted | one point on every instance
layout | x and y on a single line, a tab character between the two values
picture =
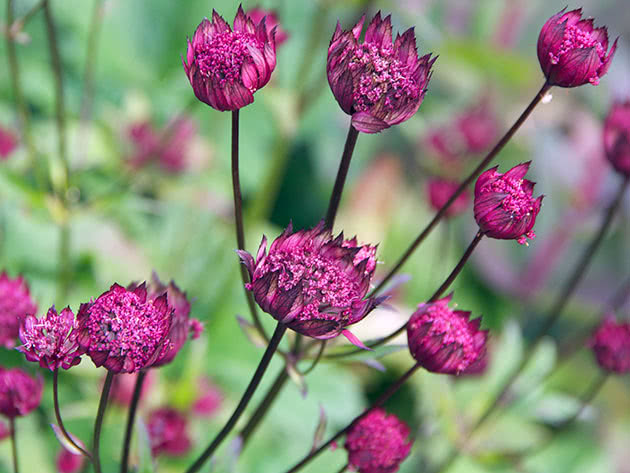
15	304
168	432
68	462
617	137
257	14
8	142
611	346
441	190
20	393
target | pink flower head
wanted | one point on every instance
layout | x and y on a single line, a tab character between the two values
8	142
168	432
19	392
257	14
572	52
15	304
124	330
504	206
209	400
173	155
478	127
68	462
617	137
440	190
611	346
312	282
444	340
123	385
226	66
4	431
146	142
51	340
379	82
378	443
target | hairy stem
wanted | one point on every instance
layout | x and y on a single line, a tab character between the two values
131	418
98	423
62	427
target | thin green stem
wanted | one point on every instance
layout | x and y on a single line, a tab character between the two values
14	445
378	403
473	175
242	405
87	95
64	263
344	468
131	418
62	427
98	423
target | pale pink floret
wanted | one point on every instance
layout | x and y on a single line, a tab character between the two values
15	304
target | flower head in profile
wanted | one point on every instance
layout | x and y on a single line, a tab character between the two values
8	143
380	82
271	20
313	283
20	393
572	51
123	330
168	432
617	137
224	65
611	346
378	443
15	304
504	204
441	190
51	340
443	340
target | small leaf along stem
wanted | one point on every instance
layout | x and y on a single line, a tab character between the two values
131	416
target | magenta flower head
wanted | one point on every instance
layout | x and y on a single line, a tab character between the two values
257	14
19	392
378	443
440	190
504	205
478	127
209	400
617	137
123	330
168	432
226	66
15	304
51	340
8	142
379	82
443	340
611	346
68	462
313	283
572	52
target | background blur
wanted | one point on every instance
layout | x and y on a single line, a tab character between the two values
131	214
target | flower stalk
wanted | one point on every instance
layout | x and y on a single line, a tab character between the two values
131	416
14	445
62	427
98	423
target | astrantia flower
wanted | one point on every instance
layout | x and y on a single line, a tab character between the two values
378	443
617	137
378	82
478	127
68	462
440	190
572	52
8	142
15	304
504	206
19	392
209	400
124	330
271	19
444	340
611	346
4	431
226	66
51	340
314	284
168	432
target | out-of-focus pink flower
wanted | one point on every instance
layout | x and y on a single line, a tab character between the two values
124	384
313	283
209	400
19	392
146	141
445	142
572	52
611	346
51	340
443	340
68	462
15	304
4	431
441	190
617	137
8	142
257	14
504	204
173	154
378	443
478	126
226	66
379	82
168	432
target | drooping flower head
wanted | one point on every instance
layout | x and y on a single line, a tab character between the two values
69	462
378	443
617	137
611	346
572	52
51	340
8	142
168	432
504	204
379	82
15	304
271	19
226	66
124	330
313	283
441	190
443	340
20	393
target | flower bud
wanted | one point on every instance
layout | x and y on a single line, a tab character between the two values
617	137
611	346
